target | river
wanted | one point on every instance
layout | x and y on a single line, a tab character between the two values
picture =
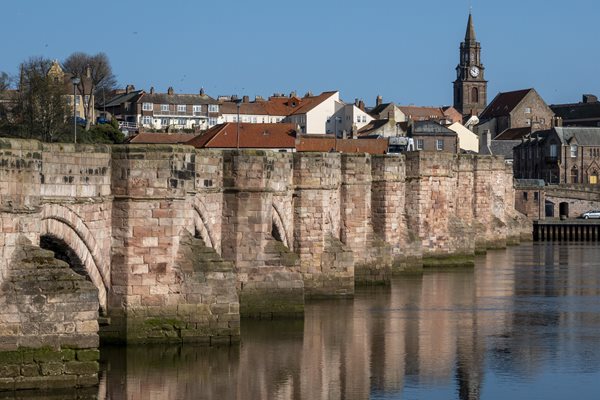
523	324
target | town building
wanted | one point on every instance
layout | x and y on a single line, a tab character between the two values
585	113
561	155
516	109
432	136
140	110
83	96
468	141
470	86
261	111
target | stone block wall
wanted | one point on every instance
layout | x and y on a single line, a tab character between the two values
156	294
269	278
48	324
372	255
327	264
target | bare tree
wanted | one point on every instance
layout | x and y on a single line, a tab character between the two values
42	106
4	81
95	75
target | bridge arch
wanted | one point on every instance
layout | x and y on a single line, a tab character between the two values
62	227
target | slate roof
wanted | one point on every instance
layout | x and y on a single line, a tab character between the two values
501	148
252	136
583	136
379	109
123	98
513	133
165	98
503	104
430	128
577	111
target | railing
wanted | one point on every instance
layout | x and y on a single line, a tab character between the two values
128	125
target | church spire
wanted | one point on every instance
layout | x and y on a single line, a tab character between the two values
470	34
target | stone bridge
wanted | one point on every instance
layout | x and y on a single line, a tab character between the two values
179	242
539	201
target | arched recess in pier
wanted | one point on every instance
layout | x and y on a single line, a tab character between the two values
65	233
278	230
202	227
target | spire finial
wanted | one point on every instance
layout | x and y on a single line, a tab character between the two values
470	34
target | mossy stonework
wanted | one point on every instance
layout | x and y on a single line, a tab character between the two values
48	323
177	244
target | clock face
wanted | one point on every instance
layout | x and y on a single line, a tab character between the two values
474	71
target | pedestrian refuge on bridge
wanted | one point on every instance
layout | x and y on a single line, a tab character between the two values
566	231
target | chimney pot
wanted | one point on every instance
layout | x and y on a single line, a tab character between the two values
379	100
170	90
246	99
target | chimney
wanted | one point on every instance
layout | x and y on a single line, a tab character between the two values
557	122
201	91
170	90
590	98
246	99
129	89
293	94
152	90
258	98
308	94
361	105
88	71
378	101
356	102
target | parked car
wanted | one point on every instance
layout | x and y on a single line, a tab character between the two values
591	214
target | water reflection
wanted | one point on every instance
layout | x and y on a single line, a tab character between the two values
525	323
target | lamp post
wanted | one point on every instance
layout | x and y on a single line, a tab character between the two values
75	81
239	105
335	121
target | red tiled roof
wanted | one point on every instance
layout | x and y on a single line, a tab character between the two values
326	144
252	136
161	138
308	103
417	113
503	103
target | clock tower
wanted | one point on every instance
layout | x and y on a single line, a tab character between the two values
470	86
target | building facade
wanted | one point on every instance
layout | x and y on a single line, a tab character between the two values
561	155
431	136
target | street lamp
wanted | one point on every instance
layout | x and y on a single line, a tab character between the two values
75	81
238	102
335	121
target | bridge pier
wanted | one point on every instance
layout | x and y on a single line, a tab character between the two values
269	283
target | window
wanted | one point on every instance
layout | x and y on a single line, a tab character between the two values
573	150
439	144
419	144
77	100
181	107
553	150
574	175
212	121
164	107
147	120
182	121
524	195
474	95
197	109
147	106
527	110
213	108
542	121
245	118
253	120
358	119
164	121
86	100
364	119
536	196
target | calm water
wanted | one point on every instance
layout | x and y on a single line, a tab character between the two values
524	324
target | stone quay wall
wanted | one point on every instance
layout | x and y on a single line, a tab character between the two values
180	243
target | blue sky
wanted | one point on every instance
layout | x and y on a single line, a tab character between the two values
404	50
